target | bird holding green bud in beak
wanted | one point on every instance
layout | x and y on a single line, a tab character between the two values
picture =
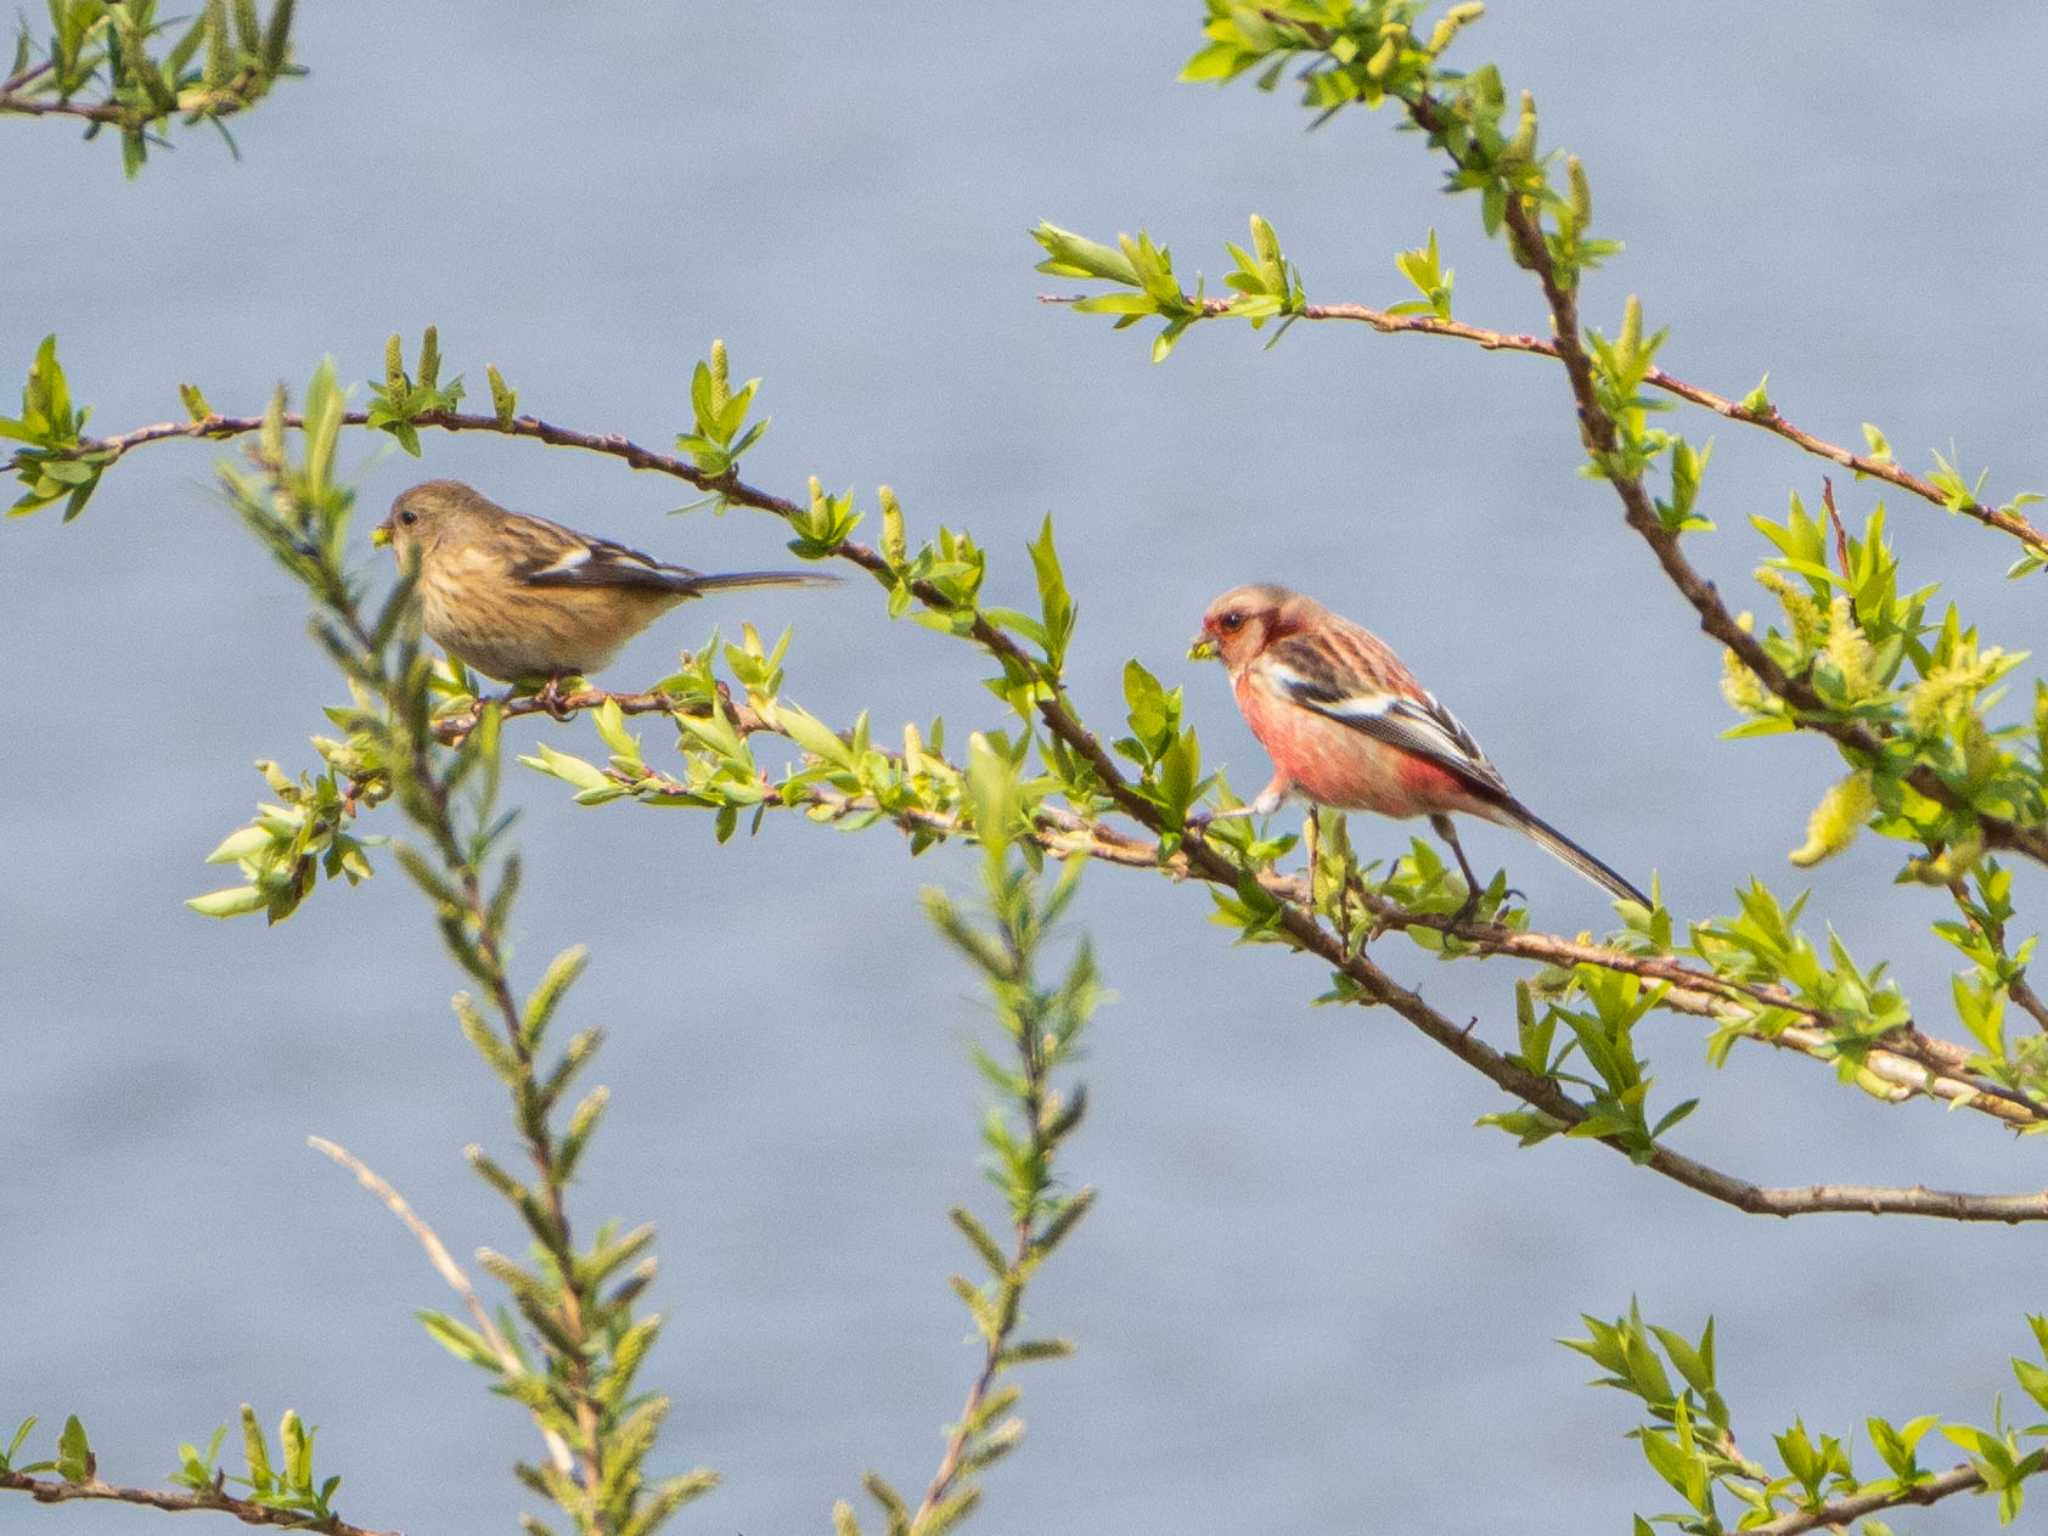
523	599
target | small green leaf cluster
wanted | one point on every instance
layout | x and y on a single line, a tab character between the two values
1042	1026
722	431
1869	656
1761	945
1689	1441
402	399
1998	974
293	842
74	1462
1603	1035
842	779
285	1483
1265	284
1168	757
212	71
1620	367
51	464
1367	54
825	524
1432	279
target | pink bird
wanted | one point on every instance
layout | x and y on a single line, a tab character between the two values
1348	727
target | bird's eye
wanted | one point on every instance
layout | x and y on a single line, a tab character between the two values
408	518
1233	621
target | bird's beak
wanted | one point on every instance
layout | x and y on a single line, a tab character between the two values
1203	648
381	534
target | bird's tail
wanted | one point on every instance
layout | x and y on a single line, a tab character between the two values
1545	836
695	584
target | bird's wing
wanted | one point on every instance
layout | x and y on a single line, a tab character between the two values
1412	721
550	555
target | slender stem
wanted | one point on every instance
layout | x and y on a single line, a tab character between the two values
1993	933
1767	418
437	817
446	1267
28	76
105	112
51	1491
1838	1515
992	1362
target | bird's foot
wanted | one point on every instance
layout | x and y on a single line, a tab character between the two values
551	699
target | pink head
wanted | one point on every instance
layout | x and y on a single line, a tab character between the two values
1245	620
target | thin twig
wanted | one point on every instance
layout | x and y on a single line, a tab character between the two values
444	1265
2019	989
1769	419
28	106
51	1491
1838	1515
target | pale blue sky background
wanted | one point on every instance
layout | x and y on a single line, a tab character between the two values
1313	1299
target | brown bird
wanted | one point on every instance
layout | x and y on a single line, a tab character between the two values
522	599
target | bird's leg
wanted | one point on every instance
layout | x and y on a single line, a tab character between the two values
550	697
1309	832
1268	802
1441	825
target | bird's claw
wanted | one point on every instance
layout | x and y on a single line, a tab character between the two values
550	699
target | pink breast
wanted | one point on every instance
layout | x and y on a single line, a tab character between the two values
1338	766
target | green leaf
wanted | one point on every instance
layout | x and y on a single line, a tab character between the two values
75	1462
1072	255
236	901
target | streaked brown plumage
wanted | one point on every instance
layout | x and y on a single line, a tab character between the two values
1348	726
523	599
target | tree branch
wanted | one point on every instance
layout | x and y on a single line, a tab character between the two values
102	112
1715	618
1064	833
446	1267
51	1491
1911	1061
1639	512
1769	419
1206	862
1838	1514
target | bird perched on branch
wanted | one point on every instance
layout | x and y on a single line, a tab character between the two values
523	599
1348	727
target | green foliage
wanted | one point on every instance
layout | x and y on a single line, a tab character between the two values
722	431
1871	657
1689	1441
1042	1025
112	51
1432	279
398	404
285	1484
51	465
576	1373
1264	284
1912	704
